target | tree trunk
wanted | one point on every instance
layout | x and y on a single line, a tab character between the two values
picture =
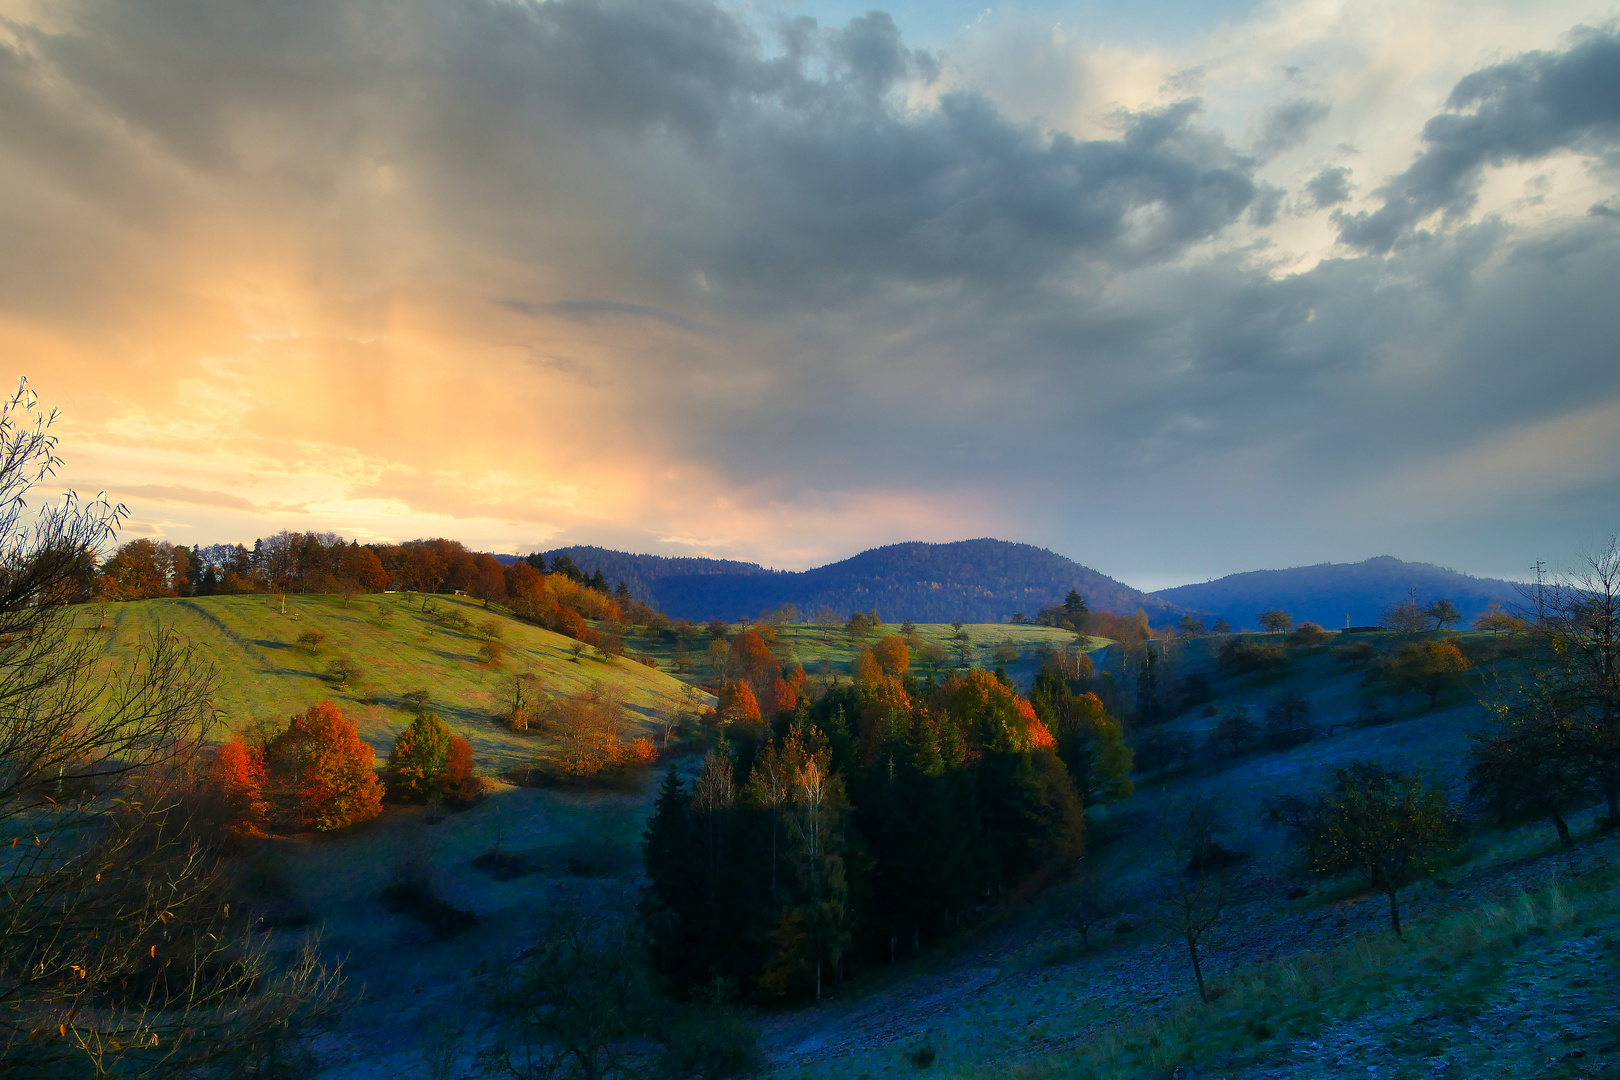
1198	968
1394	914
1563	828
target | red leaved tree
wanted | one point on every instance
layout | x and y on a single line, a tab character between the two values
321	772
237	777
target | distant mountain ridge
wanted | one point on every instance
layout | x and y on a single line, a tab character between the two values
971	580
1330	593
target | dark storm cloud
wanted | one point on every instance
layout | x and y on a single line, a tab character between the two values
1522	110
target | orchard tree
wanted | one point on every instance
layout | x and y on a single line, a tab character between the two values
1384	824
1194	892
1532	761
1275	621
1428	667
1443	611
1407	618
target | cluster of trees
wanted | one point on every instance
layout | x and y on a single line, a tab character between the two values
561	598
317	774
868	822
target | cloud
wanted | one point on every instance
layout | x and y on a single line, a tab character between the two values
178	493
594	270
1522	110
1330	186
1285	126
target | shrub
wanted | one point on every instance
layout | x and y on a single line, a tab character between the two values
1308	635
310	641
411	893
1239	656
492	652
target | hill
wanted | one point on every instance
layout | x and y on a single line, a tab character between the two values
1329	593
263	673
976	581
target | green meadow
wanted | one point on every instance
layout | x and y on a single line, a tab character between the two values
262	672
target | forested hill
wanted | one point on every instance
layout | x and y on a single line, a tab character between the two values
970	580
1329	592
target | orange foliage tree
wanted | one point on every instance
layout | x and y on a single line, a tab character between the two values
991	715
321	771
737	704
237	776
892	656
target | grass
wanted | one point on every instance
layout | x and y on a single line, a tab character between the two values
1451	969
264	674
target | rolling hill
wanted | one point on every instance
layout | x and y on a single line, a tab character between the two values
263	674
1331	593
976	581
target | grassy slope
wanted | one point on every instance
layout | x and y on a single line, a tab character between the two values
264	675
1031	994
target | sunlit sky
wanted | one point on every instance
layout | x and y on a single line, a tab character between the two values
1175	289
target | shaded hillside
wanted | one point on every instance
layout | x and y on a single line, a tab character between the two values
1327	593
975	581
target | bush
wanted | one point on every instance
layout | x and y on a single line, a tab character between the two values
411	893
1308	635
310	641
492	652
1239	656
1288	723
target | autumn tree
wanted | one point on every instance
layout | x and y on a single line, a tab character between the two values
1576	620
1089	741
1308	635
1428	667
737	704
322	771
238	777
1498	621
1384	824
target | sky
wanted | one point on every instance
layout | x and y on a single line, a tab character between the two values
1175	289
